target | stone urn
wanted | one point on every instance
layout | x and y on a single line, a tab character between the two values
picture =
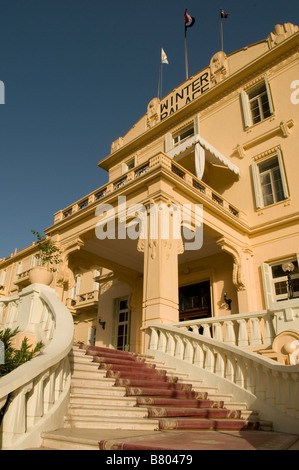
40	275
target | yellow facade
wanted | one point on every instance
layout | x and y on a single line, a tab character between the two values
224	141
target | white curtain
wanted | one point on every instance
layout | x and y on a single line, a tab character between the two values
199	160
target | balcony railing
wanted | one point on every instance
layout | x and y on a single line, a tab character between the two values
158	161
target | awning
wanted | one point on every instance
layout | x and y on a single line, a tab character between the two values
196	143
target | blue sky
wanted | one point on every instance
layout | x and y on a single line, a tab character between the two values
79	73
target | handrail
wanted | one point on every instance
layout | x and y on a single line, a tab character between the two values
268	387
38	390
247	329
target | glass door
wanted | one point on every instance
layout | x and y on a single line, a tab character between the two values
123	326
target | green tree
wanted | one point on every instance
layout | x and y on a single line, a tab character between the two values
13	357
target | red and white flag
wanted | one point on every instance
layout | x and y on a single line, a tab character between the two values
189	20
223	14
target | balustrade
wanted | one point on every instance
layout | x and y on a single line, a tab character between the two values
263	378
37	392
246	330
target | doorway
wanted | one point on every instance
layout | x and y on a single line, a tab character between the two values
123	325
195	301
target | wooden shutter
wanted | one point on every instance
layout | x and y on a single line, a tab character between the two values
256	186
267	284
245	109
282	174
270	101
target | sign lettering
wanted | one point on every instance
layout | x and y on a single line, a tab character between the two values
184	95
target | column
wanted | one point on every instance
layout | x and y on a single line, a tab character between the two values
161	248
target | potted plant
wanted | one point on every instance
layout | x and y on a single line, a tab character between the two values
49	256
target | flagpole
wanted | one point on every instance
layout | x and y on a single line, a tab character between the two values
186	54
160	70
220	30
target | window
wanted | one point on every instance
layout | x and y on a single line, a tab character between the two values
256	104
129	165
269	181
275	281
178	138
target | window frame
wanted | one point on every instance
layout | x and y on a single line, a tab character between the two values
257	185
269	281
245	102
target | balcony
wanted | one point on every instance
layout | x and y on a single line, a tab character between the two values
82	302
22	279
159	162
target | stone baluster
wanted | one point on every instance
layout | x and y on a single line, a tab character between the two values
170	344
230	367
230	337
256	335
209	362
188	354
251	377
279	391
154	338
35	404
269	329
260	382
269	388
198	357
243	333
11	318
194	328
162	342
240	378
49	392
15	418
179	347
207	330
220	362
218	333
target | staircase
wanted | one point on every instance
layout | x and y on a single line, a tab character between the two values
115	390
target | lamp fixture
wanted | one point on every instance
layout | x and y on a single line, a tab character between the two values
227	301
102	323
288	268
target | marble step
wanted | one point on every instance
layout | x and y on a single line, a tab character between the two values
95	422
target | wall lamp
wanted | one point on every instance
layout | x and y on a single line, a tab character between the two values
227	301
288	268
102	323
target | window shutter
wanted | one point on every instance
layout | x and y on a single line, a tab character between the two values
256	186
267	284
245	109
196	124
271	107
168	142
282	174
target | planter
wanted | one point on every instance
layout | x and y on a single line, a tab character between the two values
40	275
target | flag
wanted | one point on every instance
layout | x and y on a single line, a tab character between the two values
189	20
223	14
164	59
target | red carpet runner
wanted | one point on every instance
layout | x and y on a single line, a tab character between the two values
174	404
